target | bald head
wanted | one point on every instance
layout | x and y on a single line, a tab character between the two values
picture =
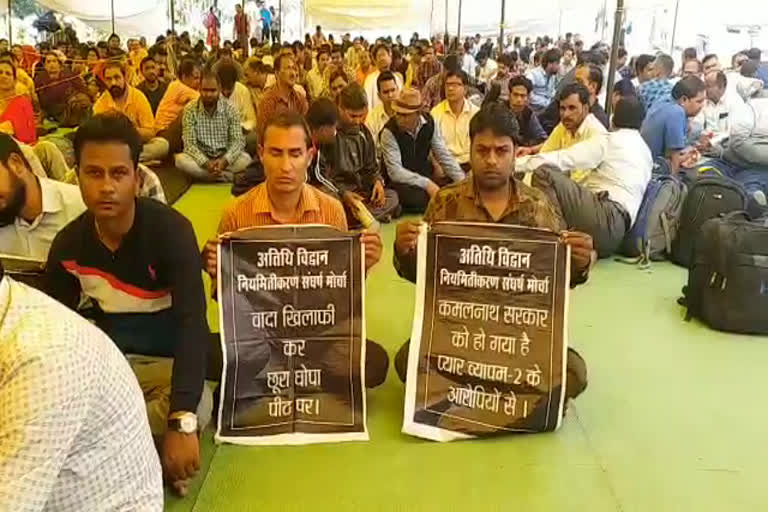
716	83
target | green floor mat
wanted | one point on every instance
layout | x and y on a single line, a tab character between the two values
671	420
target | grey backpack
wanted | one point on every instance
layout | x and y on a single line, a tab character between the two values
658	219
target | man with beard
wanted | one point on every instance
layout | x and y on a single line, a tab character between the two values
213	138
131	102
492	195
152	87
32	209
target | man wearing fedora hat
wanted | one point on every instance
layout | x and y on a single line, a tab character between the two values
406	143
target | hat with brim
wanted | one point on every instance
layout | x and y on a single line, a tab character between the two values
408	102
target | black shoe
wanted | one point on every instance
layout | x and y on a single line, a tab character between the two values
376	364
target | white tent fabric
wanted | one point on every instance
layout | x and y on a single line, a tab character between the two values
135	17
370	18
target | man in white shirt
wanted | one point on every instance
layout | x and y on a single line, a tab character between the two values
238	95
606	203
32	209
73	431
387	90
486	68
382	57
453	116
722	109
466	59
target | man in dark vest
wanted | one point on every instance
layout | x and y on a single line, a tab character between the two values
406	142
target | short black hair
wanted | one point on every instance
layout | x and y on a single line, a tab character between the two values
353	97
324	49
749	68
688	87
108	127
378	48
287	119
146	60
520	80
642	62
188	66
227	73
209	74
574	88
754	54
322	112
8	147
622	52
458	73
596	75
385	77
550	56
707	57
690	53
113	64
624	87
720	79
497	118
629	113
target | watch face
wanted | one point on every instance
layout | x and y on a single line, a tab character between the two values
188	424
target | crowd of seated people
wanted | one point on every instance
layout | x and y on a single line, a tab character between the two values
325	133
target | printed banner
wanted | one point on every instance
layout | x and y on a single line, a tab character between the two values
489	332
292	321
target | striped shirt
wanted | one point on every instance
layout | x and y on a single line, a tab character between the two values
255	209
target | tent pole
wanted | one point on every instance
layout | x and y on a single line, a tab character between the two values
280	15
674	29
501	26
112	11
10	23
458	27
617	22
446	18
173	16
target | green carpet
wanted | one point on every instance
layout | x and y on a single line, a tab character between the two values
669	421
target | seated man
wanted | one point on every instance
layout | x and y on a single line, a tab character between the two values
213	138
531	133
132	103
180	93
34	209
283	96
544	79
74	430
576	124
665	127
721	110
659	89
137	262
387	90
406	142
606	203
152	86
353	174
238	95
56	87
255	75
286	198
591	77
453	116
492	195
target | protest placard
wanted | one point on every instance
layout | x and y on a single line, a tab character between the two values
488	345
292	320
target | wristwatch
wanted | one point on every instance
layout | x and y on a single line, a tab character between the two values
186	423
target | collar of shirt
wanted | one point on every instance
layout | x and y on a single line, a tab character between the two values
585	125
201	108
469	191
52	203
465	109
307	202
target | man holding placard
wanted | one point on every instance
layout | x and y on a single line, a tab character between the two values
492	196
286	198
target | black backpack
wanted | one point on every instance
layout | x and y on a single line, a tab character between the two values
728	278
707	198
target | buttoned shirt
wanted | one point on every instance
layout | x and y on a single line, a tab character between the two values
74	425
255	209
460	202
136	107
562	138
275	102
655	91
455	129
621	161
544	86
62	203
212	135
241	100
